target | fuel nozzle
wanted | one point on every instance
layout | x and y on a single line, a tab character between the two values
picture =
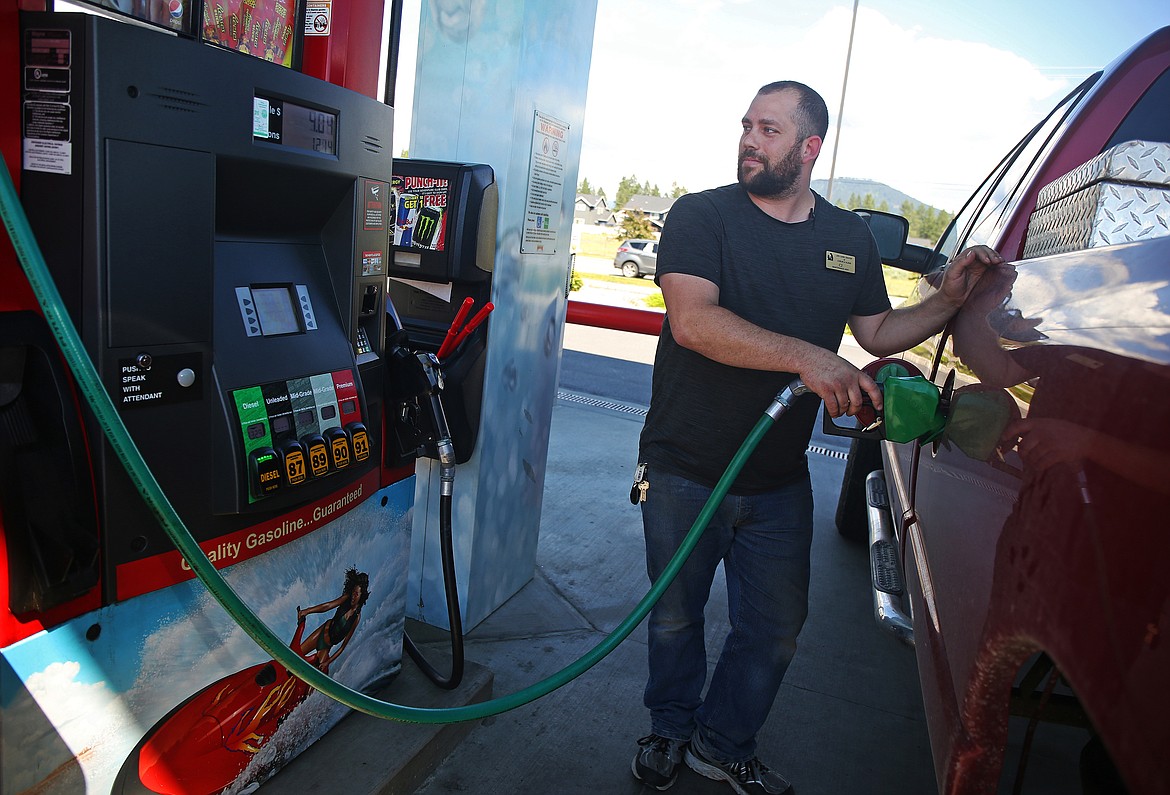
415	381
912	407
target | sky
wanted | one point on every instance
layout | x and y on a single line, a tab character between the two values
938	90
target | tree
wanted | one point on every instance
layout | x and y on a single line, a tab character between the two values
677	190
626	188
585	187
636	225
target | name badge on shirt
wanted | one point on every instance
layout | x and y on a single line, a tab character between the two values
846	263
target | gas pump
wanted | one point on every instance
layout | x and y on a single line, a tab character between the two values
442	257
443	248
218	229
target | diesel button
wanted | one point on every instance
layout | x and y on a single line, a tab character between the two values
264	468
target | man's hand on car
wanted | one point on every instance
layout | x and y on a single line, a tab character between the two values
963	272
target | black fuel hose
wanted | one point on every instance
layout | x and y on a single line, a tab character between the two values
454	620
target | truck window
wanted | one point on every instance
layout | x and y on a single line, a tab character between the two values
980	216
1149	118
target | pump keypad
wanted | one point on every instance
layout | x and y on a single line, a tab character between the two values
300	430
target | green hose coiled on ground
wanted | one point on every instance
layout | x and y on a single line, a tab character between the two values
107	416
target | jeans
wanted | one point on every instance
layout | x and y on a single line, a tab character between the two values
763	541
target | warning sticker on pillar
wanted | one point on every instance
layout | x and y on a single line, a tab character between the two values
546	185
318	16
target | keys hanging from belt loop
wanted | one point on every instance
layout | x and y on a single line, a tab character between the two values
641	485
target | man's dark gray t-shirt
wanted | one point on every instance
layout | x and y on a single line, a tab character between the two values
794	279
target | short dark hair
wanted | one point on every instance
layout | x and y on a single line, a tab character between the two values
812	115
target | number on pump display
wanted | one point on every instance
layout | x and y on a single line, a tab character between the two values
319	460
361	446
294	468
340	453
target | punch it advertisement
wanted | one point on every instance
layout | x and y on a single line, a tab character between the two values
420	211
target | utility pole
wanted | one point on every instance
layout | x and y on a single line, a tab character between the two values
841	110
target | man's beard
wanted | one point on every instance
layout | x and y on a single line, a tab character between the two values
772	181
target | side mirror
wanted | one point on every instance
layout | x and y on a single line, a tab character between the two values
889	230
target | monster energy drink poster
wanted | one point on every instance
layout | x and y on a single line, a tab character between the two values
419	208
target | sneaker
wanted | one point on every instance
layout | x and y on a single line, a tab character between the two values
657	761
752	777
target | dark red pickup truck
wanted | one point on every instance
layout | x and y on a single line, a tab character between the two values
1025	550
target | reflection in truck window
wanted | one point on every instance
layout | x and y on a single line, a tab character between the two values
1149	119
979	218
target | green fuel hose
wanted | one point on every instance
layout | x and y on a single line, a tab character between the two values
33	263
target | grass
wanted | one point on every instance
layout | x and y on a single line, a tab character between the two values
616	278
598	244
899	283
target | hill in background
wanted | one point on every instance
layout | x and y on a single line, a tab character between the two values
844	187
927	223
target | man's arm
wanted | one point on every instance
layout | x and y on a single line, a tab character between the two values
900	329
699	323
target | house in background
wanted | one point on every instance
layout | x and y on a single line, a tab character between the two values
590	209
655	208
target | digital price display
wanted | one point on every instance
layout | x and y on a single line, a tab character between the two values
295	126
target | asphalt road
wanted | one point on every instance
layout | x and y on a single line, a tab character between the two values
585	264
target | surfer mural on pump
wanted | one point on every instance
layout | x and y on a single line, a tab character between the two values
188	702
206	742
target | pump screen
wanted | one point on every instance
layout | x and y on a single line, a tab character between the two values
276	310
295	126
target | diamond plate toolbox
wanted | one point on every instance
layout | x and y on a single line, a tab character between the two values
1120	196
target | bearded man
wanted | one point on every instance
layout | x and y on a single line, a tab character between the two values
760	278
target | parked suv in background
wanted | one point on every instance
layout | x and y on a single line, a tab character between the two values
637	258
1025	551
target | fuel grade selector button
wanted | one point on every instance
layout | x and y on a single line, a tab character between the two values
264	468
295	466
339	449
360	439
318	454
